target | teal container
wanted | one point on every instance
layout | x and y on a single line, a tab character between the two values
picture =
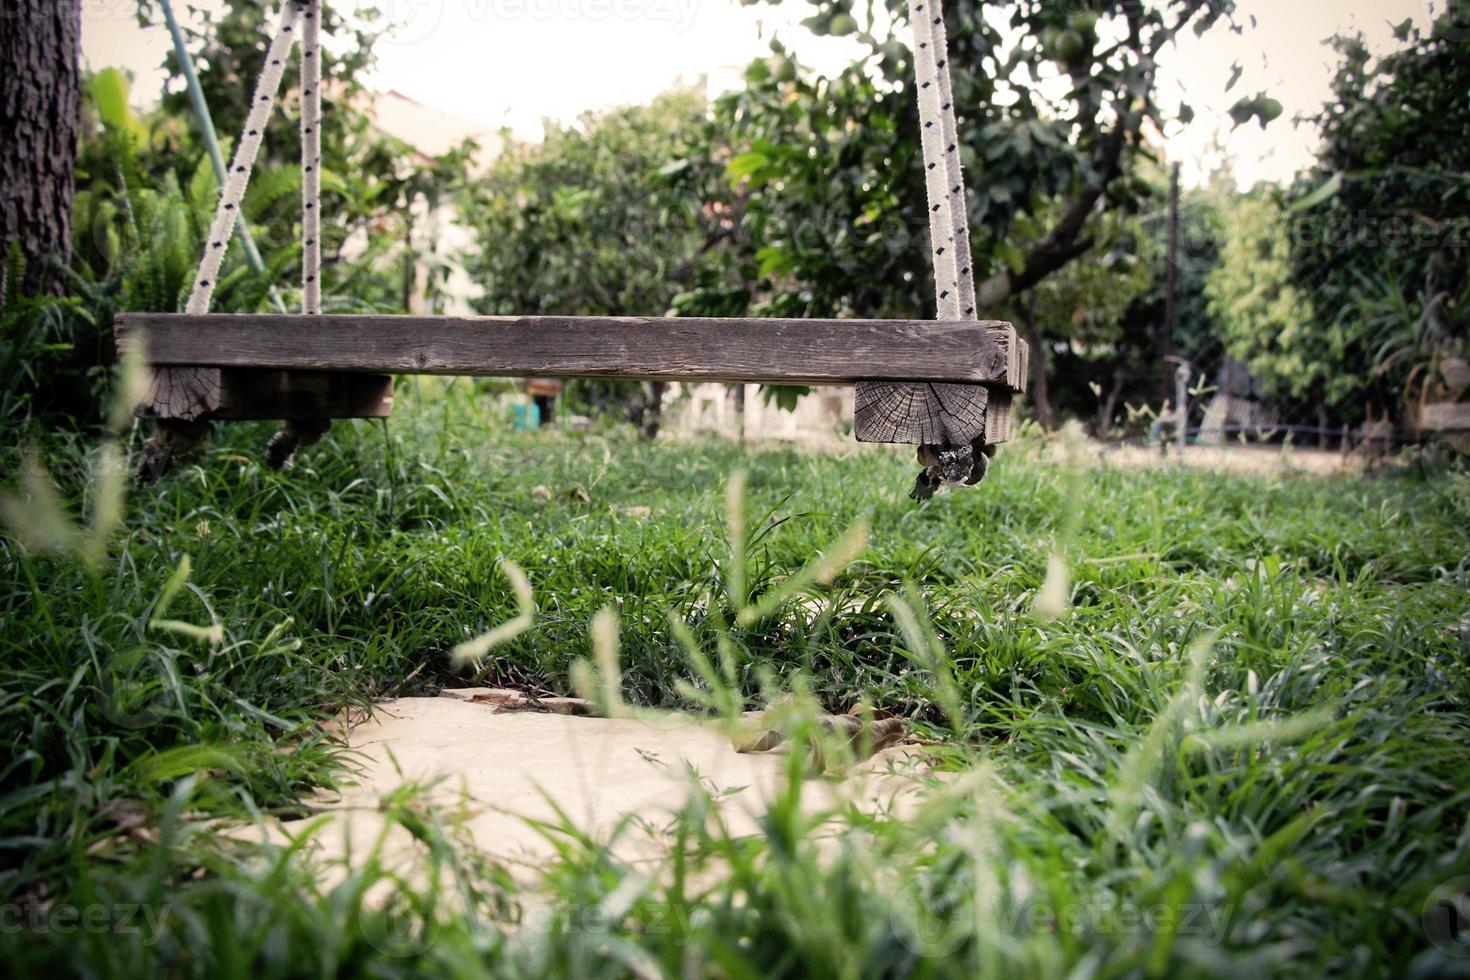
526	417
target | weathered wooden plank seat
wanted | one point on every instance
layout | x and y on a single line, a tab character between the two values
920	381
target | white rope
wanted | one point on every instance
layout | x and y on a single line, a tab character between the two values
944	183
959	208
948	457
311	157
238	177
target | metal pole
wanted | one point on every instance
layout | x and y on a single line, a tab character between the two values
211	140
1171	269
1181	398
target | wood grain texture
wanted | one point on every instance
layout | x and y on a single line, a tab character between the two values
183	393
1020	367
925	413
998	418
791	351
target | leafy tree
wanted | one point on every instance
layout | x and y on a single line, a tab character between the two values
598	218
1075	314
228	48
615	215
1380	228
1127	371
1054	101
821	211
1264	319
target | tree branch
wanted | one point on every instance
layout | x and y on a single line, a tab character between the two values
1065	241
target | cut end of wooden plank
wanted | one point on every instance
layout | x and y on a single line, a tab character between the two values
925	413
183	393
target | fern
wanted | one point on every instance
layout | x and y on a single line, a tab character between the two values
268	187
203	189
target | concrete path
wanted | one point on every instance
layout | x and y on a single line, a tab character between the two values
619	780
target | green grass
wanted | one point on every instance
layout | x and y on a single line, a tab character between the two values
1242	747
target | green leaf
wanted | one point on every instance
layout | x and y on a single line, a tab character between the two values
1011	255
1235	72
270	186
333	183
203	186
1326	192
774	261
110	95
746	166
1243	111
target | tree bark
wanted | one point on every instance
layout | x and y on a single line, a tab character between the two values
739	392
40	117
650	414
1105	416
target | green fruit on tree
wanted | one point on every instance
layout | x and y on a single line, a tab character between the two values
1069	47
1083	22
757	71
843	24
1270	109
818	25
786	71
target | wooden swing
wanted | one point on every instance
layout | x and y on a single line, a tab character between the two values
945	385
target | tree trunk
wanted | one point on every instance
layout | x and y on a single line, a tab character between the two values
1040	395
40	116
653	412
739	412
1105	417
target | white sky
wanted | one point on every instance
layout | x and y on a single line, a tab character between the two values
516	62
